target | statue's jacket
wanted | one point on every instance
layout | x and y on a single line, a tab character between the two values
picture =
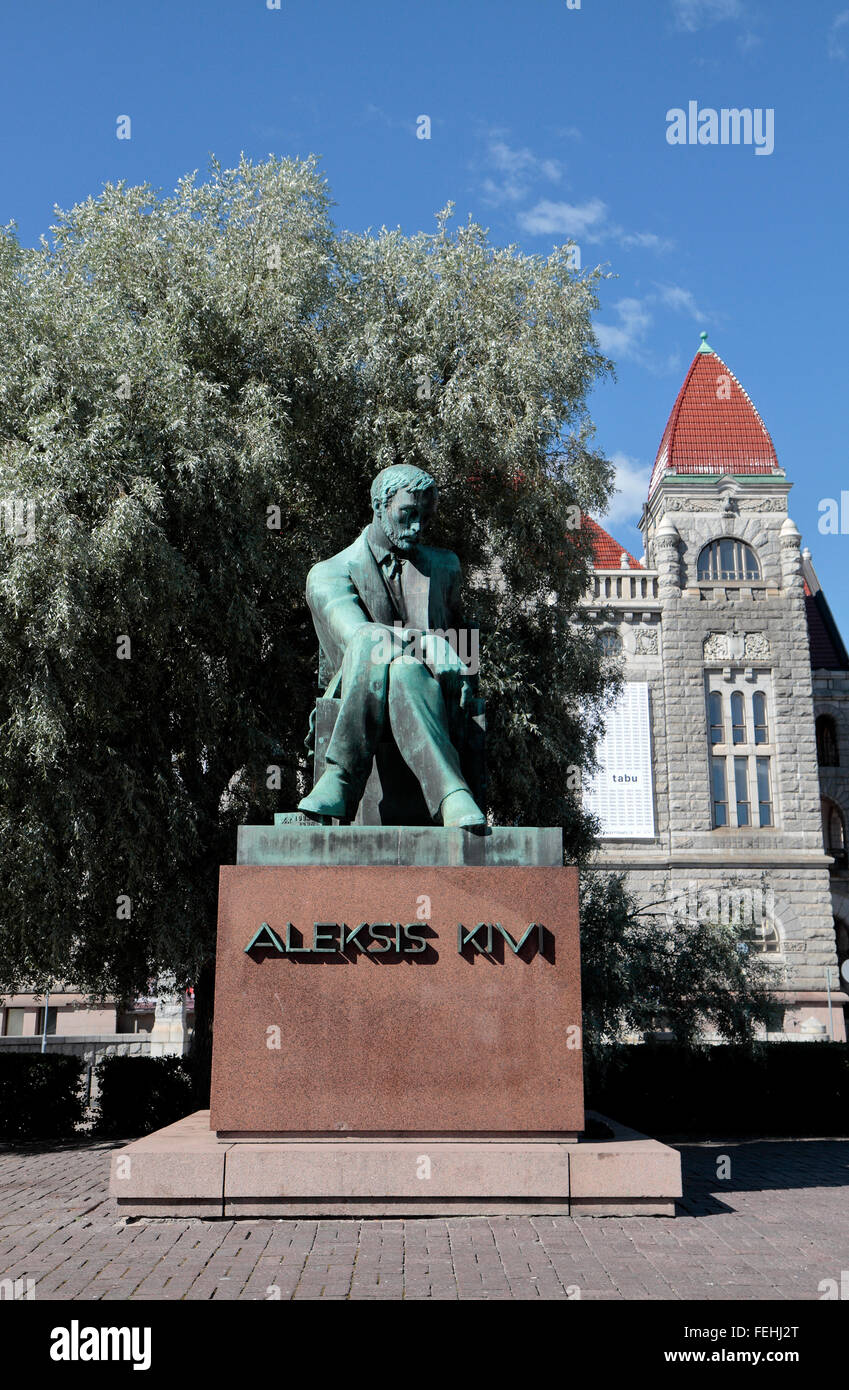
348	590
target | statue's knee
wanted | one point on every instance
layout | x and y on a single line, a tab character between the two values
407	670
363	638
370	647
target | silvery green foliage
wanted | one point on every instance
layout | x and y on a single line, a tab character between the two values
173	367
644	969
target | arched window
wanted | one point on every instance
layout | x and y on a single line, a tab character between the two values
738	718
728	559
717	728
827	751
762	937
759	710
834	832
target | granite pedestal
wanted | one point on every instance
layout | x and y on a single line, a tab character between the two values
397	1031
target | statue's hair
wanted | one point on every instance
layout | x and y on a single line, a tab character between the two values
391	480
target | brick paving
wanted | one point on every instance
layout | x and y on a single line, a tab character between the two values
773	1229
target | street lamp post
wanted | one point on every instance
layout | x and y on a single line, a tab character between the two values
44	1024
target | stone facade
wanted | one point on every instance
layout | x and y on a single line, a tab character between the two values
687	637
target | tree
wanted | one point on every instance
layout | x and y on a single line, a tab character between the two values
195	392
643	968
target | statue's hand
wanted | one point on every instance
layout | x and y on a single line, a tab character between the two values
440	657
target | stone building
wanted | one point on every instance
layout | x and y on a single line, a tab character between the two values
70	1023
723	786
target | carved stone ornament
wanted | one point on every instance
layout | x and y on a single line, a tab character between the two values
717	646
742	504
645	641
756	645
686	504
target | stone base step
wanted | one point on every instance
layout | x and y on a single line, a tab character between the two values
186	1170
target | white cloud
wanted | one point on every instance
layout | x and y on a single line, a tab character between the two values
838	35
691	15
648	241
565	219
516	170
513	161
674	297
586	221
632	486
625	338
512	170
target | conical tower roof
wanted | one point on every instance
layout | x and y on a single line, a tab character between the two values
714	428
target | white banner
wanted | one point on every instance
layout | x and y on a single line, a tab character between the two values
621	794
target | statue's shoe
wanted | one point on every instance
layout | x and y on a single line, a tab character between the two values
327	797
460	808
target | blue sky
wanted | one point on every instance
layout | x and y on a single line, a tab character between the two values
547	122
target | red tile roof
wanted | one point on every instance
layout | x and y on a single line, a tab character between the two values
607	553
714	428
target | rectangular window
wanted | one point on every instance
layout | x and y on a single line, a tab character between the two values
720	794
740	745
135	1023
14	1023
741	789
51	1021
738	718
764	795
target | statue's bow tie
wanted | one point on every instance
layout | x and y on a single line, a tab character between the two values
394	565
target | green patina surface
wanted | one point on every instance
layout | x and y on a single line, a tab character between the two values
304	843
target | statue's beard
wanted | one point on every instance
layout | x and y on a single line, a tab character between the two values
398	538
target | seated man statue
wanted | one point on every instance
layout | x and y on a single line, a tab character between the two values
380	609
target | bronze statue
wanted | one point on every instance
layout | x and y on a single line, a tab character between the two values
384	610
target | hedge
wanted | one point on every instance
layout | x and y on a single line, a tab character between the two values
796	1089
40	1096
772	1089
141	1094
